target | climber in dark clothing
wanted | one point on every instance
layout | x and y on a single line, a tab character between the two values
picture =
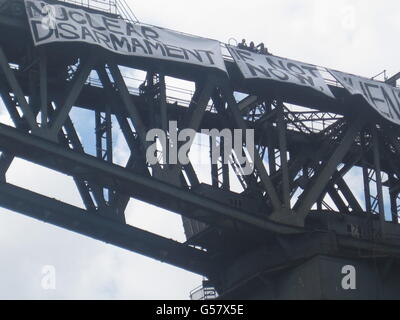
261	48
252	47
243	44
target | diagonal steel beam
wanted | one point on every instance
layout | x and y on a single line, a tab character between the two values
392	80
6	160
193	120
82	186
247	103
78	82
311	194
128	104
198	105
337	199
72	138
178	200
120	201
124	236
258	162
16	88
112	99
19	122
348	194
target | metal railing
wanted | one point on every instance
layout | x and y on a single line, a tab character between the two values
121	8
203	293
117	7
125	11
179	95
109	6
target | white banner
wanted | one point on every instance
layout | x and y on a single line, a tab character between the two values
382	97
257	66
51	23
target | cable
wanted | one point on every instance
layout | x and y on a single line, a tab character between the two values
125	11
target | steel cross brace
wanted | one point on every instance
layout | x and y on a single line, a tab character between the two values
53	156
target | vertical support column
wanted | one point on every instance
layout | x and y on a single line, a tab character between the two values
320	203
148	90
283	155
366	178
265	178
271	148
99	135
220	170
395	203
43	87
225	167
19	96
215	181
109	146
104	135
164	113
104	147
378	173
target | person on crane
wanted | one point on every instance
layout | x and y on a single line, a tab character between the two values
261	48
252	47
242	45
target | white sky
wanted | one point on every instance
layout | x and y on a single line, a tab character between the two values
356	36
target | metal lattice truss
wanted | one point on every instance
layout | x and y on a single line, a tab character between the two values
300	183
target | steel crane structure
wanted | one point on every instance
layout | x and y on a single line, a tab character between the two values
287	235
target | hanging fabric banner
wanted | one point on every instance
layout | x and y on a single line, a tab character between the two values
384	98
50	23
258	66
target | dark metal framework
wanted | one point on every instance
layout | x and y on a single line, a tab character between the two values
297	203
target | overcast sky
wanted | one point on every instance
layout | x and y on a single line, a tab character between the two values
358	36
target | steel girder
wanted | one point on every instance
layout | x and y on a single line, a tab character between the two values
299	154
